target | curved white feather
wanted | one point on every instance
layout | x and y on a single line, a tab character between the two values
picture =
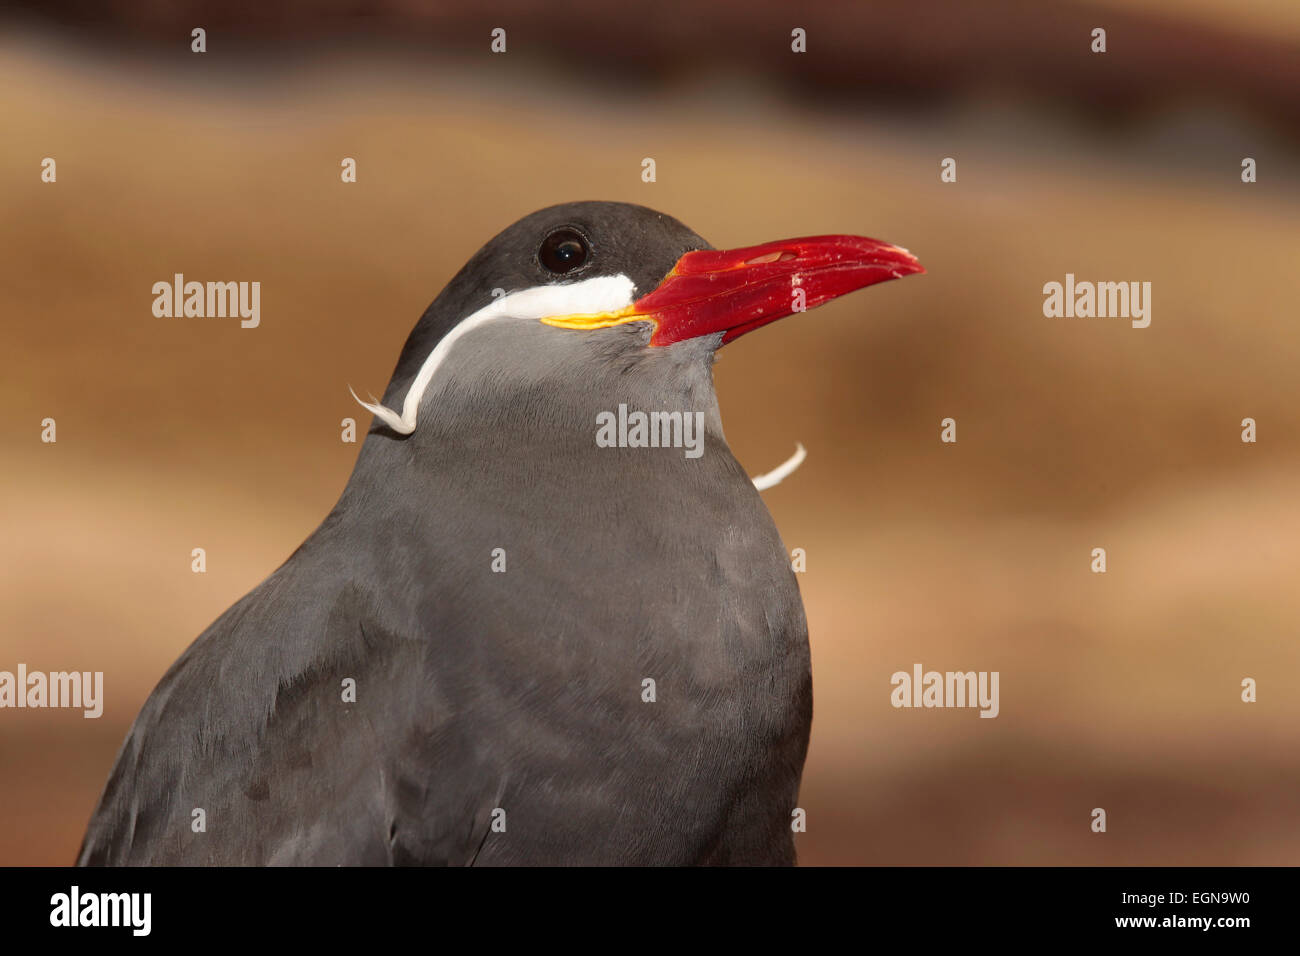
601	294
782	471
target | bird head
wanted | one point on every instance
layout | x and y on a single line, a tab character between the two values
614	284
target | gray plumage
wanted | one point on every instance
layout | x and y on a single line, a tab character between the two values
479	690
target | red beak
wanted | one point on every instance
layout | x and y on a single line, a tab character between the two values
739	290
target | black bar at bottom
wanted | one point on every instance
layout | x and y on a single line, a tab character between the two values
323	906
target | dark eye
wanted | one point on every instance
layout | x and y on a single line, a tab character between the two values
563	251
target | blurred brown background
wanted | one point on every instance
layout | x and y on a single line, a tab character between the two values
1118	691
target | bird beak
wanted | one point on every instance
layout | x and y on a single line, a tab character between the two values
739	290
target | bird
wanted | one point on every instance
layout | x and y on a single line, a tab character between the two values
510	643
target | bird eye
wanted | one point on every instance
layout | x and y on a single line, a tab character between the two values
563	251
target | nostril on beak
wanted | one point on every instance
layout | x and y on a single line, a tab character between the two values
783	256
